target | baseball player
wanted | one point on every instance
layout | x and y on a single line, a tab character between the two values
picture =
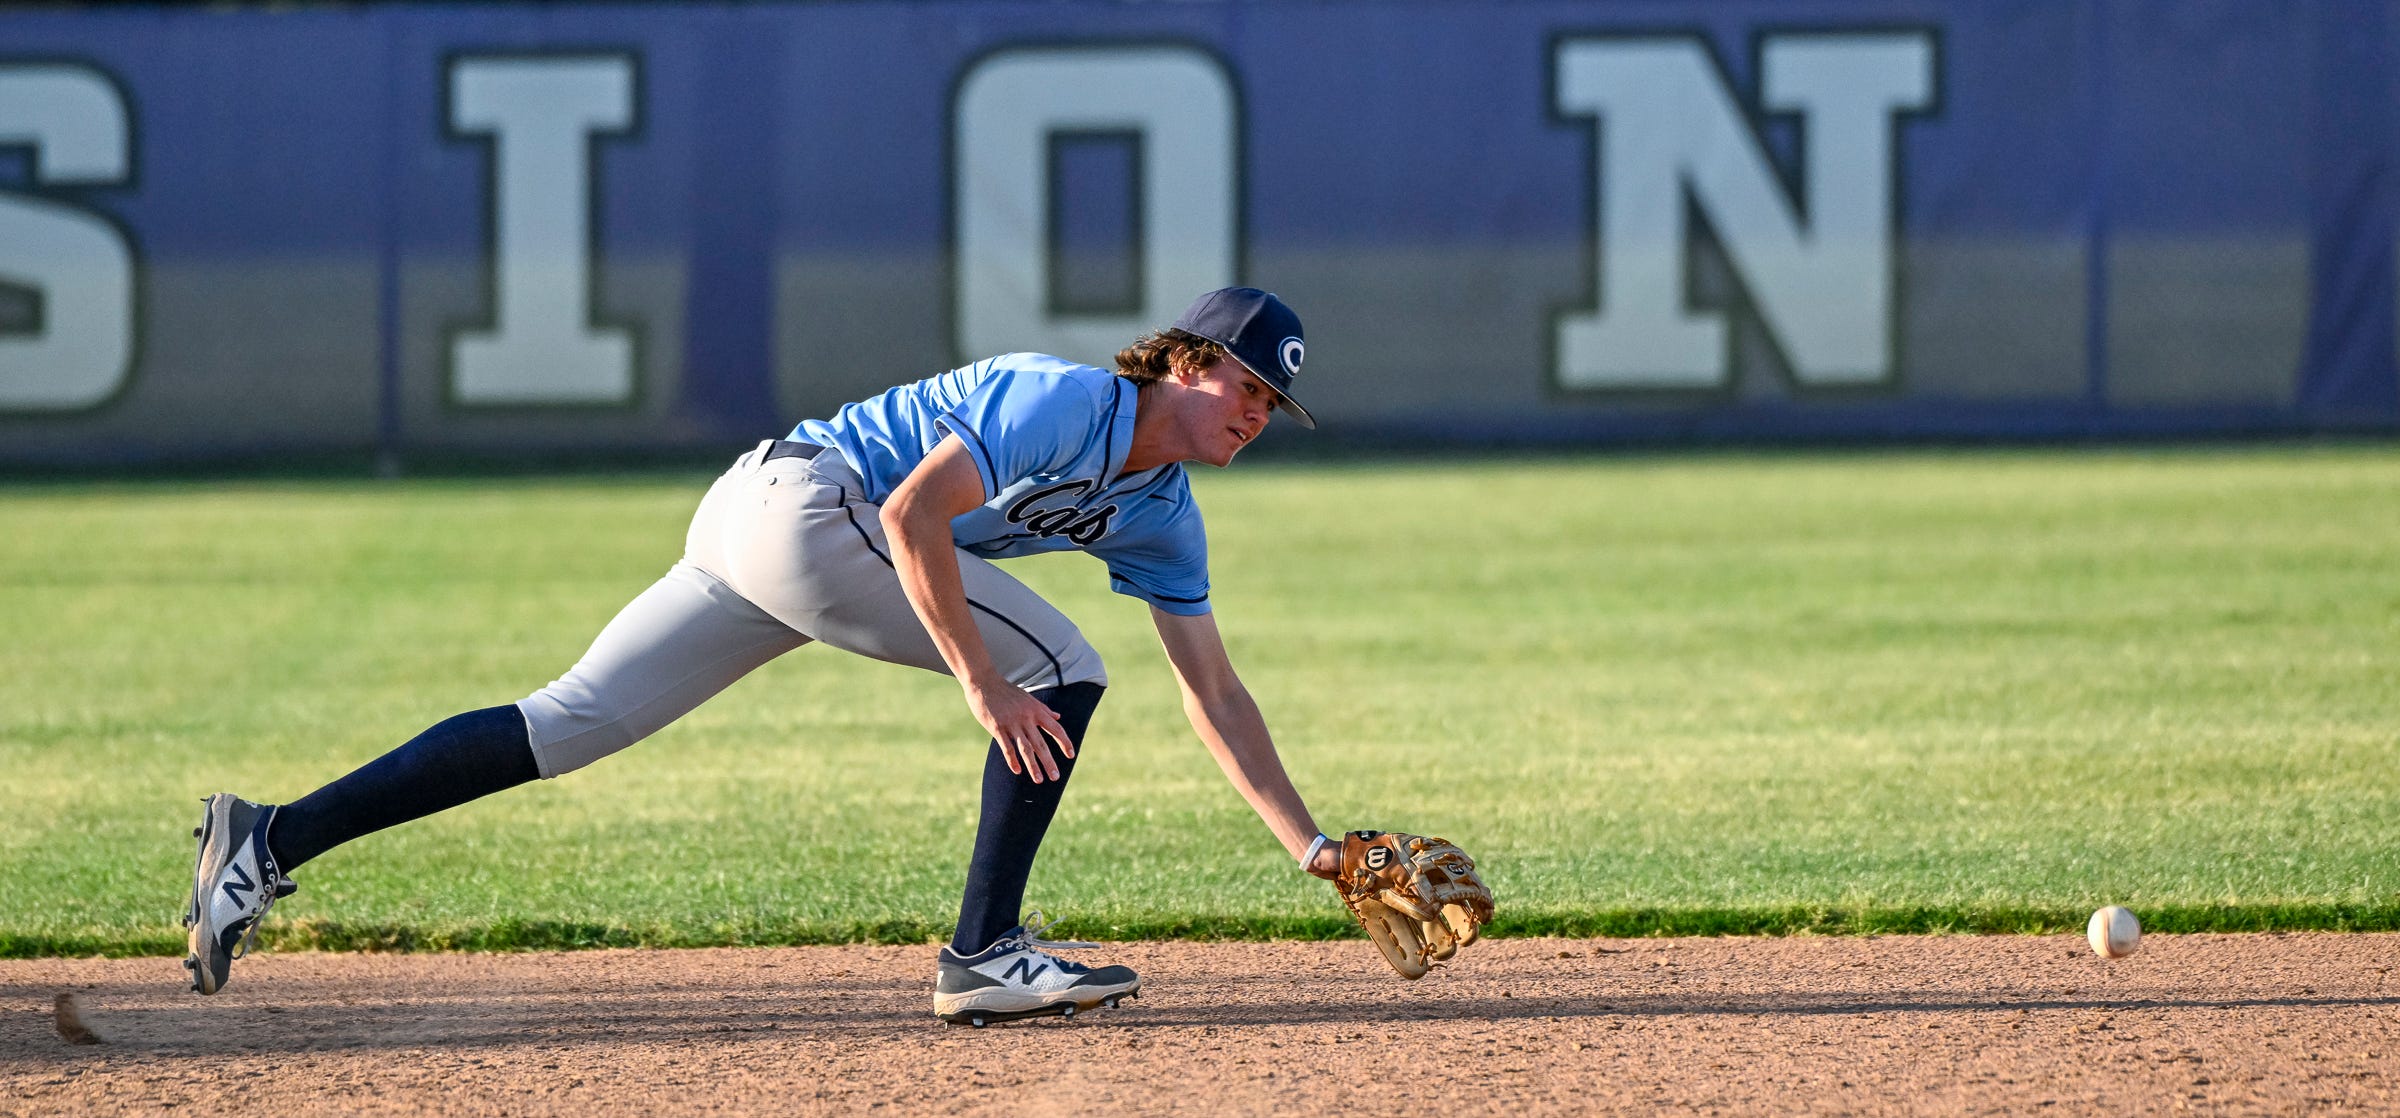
874	531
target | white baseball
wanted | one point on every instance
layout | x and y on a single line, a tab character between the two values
2114	933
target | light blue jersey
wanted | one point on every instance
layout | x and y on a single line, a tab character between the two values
1049	437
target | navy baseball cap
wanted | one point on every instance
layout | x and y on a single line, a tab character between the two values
1260	332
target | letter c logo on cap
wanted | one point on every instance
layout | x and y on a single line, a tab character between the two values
1291	351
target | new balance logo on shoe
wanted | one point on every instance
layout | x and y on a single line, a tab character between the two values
1030	971
235	889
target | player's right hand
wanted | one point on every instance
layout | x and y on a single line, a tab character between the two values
1024	726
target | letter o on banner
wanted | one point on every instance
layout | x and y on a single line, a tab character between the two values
1179	99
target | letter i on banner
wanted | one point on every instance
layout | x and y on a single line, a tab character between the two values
542	114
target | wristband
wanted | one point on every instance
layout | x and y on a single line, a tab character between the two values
1320	843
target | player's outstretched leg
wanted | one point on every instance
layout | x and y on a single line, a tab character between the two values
996	969
247	850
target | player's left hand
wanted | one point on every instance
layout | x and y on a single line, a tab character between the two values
1419	898
1024	726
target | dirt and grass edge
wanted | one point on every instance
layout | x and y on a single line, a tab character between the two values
1625	923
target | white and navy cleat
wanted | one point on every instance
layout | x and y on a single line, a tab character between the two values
234	881
1017	977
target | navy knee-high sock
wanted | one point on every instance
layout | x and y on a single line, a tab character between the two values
459	759
1016	813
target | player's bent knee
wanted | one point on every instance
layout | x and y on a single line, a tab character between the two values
1078	663
1074	704
1083	693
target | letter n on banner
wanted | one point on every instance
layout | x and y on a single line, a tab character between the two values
1819	267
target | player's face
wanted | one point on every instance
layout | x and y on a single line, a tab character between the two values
1226	407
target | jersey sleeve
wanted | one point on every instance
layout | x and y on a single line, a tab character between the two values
1019	423
1167	568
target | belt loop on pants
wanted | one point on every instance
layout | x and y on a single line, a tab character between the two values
786	448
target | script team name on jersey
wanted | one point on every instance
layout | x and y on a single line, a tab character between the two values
1084	526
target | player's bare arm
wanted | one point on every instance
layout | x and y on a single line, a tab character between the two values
917	520
1229	723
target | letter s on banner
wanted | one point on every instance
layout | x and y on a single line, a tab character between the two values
1179	99
80	266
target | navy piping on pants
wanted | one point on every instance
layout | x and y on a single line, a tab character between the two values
1057	671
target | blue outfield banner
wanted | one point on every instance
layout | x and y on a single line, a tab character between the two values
626	227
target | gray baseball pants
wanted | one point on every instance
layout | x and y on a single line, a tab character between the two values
780	553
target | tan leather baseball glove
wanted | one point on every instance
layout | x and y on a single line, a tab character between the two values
1419	898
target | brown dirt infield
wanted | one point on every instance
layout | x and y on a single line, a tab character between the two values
1916	1025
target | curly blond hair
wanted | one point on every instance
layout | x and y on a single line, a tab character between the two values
1153	355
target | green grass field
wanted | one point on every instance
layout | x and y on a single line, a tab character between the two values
1674	694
